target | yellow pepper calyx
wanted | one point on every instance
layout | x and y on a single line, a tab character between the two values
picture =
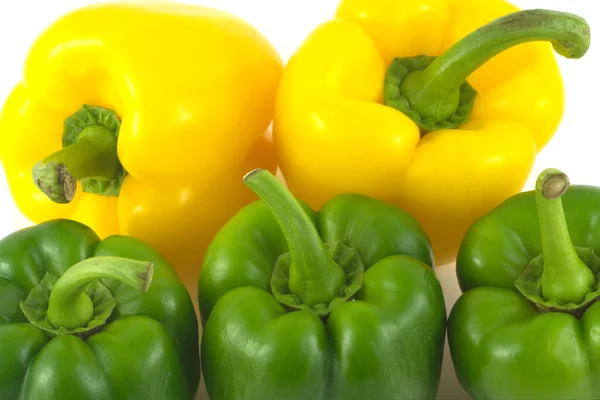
89	155
434	92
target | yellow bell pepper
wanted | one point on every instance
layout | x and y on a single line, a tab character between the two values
376	101
189	90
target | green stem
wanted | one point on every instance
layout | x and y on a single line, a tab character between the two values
565	277
314	277
71	308
93	155
434	91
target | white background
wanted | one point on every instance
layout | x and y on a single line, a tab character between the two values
286	23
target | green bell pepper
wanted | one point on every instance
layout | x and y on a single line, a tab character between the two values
82	318
340	304
528	325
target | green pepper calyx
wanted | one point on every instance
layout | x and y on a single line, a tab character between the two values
78	302
563	277
434	92
346	257
89	155
313	275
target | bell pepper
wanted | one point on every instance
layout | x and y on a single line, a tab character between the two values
84	318
138	119
437	106
339	304
527	324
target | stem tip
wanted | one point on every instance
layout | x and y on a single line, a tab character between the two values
251	173
555	186
552	183
55	181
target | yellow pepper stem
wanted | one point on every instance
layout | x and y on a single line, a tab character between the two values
94	155
434	92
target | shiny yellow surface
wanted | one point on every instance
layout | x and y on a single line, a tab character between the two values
195	89
333	134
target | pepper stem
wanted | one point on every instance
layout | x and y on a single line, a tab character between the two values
93	155
314	276
434	93
71	308
565	278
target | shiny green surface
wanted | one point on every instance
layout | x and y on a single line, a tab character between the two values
502	345
148	349
386	343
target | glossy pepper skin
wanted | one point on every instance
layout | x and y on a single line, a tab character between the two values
193	115
272	337
146	349
337	103
509	342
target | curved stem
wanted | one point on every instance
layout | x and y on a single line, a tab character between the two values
71	308
94	155
565	277
433	92
314	276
